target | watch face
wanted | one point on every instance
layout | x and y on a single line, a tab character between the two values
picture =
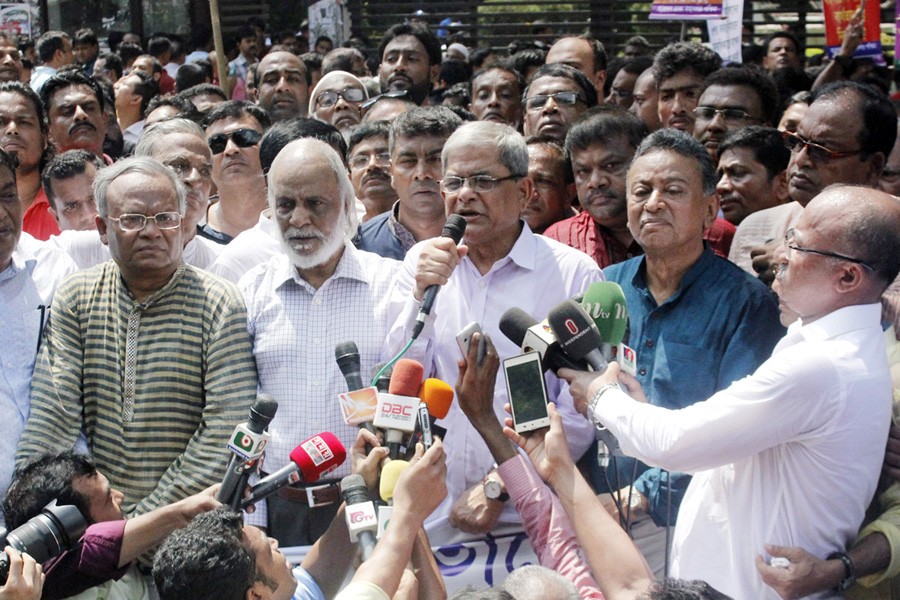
492	489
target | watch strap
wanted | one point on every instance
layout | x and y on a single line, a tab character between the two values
849	571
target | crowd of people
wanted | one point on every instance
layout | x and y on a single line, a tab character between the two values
173	246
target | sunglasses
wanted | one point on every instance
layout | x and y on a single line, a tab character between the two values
561	98
243	138
393	94
816	152
330	98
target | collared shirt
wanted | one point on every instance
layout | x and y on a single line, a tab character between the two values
26	289
384	235
37	220
239	66
294	329
39	76
788	456
88	250
585	234
718	327
536	275
249	249
759	228
157	386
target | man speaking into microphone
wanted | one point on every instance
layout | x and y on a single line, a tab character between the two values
500	264
319	292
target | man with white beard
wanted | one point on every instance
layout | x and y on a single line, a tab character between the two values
320	292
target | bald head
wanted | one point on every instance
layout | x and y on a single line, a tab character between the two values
282	84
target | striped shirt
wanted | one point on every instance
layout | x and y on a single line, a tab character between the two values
156	386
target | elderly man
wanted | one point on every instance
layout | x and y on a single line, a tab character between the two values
74	104
678	283
24	135
600	148
497	95
282	86
233	131
369	159
680	70
67	179
294	302
140	336
554	187
410	60
556	95
845	137
336	99
501	264
417	138
29	274
585	54
808	428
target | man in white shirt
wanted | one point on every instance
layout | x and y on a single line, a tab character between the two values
791	454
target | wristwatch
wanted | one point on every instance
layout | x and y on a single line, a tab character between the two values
849	571
595	399
493	489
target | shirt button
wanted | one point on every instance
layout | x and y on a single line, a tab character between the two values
642	371
650	343
481	284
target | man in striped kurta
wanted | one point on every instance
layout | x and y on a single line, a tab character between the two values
148	357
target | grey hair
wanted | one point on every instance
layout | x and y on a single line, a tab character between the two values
681	143
134	164
513	152
534	582
310	147
151	136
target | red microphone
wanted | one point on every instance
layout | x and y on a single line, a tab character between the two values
396	410
319	455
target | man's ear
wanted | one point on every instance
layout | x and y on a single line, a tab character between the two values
101	229
435	73
258	591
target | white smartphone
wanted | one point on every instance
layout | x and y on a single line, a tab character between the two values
527	391
464	337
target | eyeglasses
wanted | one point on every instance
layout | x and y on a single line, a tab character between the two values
734	116
330	98
243	138
561	98
477	183
816	152
361	161
789	245
136	222
392	94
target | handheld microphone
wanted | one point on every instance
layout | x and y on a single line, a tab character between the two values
454	228
383	382
248	441
604	302
396	411
435	397
390	473
577	333
362	522
347	356
358	404
523	330
317	456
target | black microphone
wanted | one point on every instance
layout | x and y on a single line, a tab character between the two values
454	228
347	356
248	441
577	333
362	522
524	331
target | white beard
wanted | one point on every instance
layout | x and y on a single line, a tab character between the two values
330	246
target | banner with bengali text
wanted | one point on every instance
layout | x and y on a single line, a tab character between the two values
685	10
837	16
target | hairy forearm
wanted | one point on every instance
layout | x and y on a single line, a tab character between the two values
146	531
391	555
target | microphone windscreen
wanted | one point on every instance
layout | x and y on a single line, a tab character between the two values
454	228
262	412
604	302
515	323
406	378
347	348
437	395
574	329
390	473
318	456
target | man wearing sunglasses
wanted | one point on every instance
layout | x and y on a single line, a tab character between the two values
233	131
337	98
143	335
733	98
845	136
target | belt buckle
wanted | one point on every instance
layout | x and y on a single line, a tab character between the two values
310	495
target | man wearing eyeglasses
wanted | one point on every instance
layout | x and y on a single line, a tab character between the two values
369	159
733	98
337	98
233	131
845	136
158	363
791	455
556	96
500	264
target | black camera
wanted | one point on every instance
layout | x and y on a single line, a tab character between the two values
49	534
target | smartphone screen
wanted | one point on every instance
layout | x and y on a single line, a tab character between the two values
527	391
